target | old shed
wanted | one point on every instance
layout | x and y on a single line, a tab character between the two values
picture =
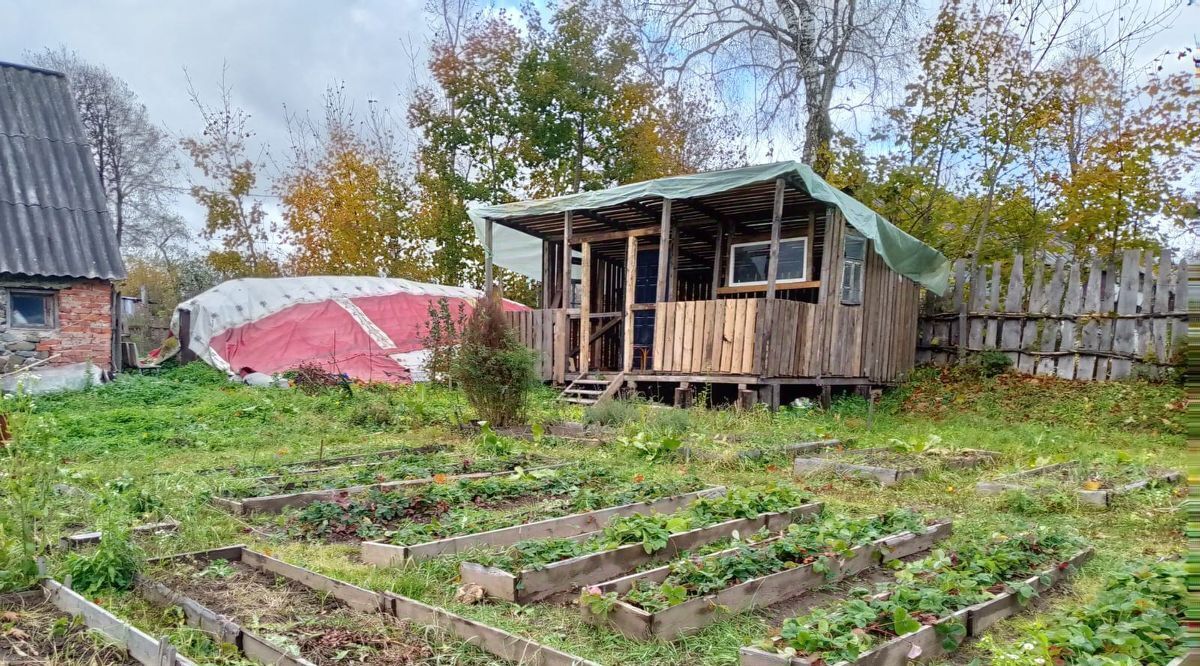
763	280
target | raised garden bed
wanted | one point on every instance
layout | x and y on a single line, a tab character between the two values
1095	484
678	599
934	605
889	466
402	467
534	570
383	553
277	503
274	611
51	624
438	510
295	466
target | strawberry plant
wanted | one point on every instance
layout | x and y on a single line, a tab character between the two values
653	531
1135	619
924	592
814	543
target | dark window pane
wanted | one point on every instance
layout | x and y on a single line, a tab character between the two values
749	262
856	247
31	310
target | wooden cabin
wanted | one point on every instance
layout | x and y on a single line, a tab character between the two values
764	282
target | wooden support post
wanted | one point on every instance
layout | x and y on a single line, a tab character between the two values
685	395
547	277
746	398
566	261
631	256
776	223
718	252
585	310
664	252
826	396
673	287
487	256
186	355
765	339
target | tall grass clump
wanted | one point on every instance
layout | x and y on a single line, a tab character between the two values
495	371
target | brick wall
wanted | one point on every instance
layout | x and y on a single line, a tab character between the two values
83	333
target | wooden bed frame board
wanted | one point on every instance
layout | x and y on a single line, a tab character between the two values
534	585
699	612
277	503
886	476
140	646
83	538
1100	498
381	553
490	639
976	619
325	462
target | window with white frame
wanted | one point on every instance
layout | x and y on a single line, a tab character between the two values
748	262
31	309
854	254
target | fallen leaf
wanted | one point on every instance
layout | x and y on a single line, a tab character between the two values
1091	485
439	478
16	634
469	593
9	617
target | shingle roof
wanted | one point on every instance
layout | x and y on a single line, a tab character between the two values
54	220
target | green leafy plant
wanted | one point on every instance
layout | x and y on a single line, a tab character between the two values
649	447
112	566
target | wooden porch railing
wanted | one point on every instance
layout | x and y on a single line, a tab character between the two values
721	337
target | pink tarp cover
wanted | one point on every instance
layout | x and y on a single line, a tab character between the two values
328	335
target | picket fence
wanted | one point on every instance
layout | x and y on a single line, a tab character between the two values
1087	321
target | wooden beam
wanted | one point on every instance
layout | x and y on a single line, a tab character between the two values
776	223
487	256
631	253
566	262
719	253
673	288
546	277
664	251
585	311
709	211
602	219
614	235
757	288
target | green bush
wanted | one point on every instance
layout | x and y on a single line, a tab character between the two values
494	369
112	566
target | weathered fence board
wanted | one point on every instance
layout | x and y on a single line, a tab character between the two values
1082	320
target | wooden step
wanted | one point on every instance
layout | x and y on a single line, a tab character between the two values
576	391
605	382
580	401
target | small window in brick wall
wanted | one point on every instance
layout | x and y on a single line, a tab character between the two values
31	309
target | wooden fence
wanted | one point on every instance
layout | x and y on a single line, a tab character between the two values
1078	320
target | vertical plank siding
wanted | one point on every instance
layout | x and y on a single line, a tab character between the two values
1094	320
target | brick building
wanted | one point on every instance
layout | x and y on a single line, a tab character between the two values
58	253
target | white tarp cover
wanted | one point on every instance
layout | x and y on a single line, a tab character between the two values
520	252
368	328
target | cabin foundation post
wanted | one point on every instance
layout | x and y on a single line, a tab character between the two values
685	395
769	394
826	396
746	398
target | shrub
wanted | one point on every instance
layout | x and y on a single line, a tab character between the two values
372	414
112	566
442	335
495	371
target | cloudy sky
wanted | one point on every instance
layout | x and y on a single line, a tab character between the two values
277	51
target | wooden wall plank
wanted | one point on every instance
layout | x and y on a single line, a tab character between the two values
1065	365
993	324
1049	334
1125	328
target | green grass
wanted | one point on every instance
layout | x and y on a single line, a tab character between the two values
136	444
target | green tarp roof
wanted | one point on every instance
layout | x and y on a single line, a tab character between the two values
522	252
